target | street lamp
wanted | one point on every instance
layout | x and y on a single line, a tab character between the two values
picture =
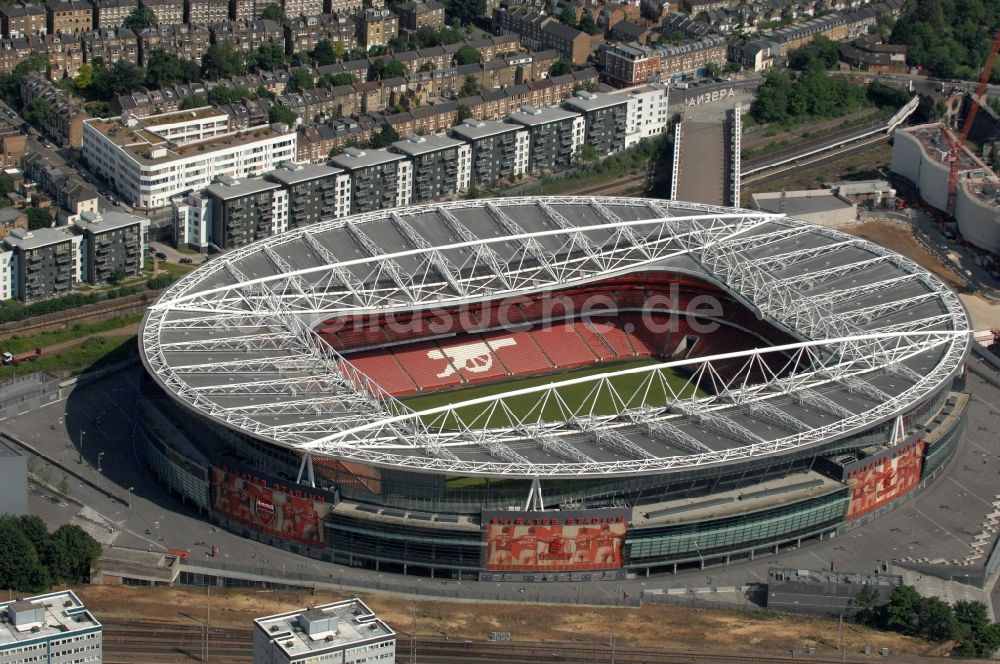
130	490
99	455
82	434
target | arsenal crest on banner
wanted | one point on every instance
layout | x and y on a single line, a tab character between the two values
265	511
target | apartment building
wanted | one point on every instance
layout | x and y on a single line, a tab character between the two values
23	19
150	160
245	210
605	120
249	35
555	134
52	628
317	142
11	219
690	56
349	7
304	33
417	14
499	150
114	246
441	166
187	42
625	65
64	53
111	14
538	31
206	12
111	45
379	178
13	145
648	112
192	217
295	8
69	17
65	123
346	631
315	192
13	52
376	26
168	12
45	263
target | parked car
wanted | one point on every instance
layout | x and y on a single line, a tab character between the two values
162	256
185	261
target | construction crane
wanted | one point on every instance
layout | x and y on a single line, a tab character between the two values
956	144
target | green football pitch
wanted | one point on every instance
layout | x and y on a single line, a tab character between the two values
631	391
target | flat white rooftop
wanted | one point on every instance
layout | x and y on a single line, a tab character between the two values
59	614
322	628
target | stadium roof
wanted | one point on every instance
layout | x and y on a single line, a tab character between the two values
235	339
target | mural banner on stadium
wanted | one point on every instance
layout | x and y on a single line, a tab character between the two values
885	479
270	506
554	541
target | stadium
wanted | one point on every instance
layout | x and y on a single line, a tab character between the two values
551	388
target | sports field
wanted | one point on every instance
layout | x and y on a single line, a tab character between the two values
650	389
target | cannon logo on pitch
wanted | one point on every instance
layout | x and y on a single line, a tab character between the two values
474	358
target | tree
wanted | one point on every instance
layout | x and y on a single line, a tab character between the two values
462	114
123	77
712	70
269	56
163	69
141	17
732	67
38	218
470	87
283	114
902	609
38	112
586	154
301	80
222	60
343	78
568	16
936	620
84	77
588	25
223	94
79	550
324	53
561	67
386	68
33	528
465	11
20	568
385	137
193	101
274	13
820	53
467	55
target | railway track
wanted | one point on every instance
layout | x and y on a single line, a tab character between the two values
771	174
127	642
107	308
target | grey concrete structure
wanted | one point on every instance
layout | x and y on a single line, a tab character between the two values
46	262
242	211
315	192
380	179
499	150
49	629
440	165
605	117
113	247
13	481
346	631
555	136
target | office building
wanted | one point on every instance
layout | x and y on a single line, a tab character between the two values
315	192
13	467
242	211
114	246
379	178
440	165
55	629
346	631
555	134
605	120
45	262
153	159
499	150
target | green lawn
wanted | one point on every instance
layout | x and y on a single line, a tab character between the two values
633	391
18	344
92	354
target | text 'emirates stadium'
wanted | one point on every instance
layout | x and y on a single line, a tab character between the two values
551	388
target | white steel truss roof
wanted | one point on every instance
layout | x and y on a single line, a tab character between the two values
235	338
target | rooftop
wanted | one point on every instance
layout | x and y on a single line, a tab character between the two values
352	158
417	145
44	616
474	129
795	203
36	239
293	173
107	221
228	188
593	101
531	116
935	144
318	629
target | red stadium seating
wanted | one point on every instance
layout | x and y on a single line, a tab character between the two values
383	368
563	346
523	358
430	368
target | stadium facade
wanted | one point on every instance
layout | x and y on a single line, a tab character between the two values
551	388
